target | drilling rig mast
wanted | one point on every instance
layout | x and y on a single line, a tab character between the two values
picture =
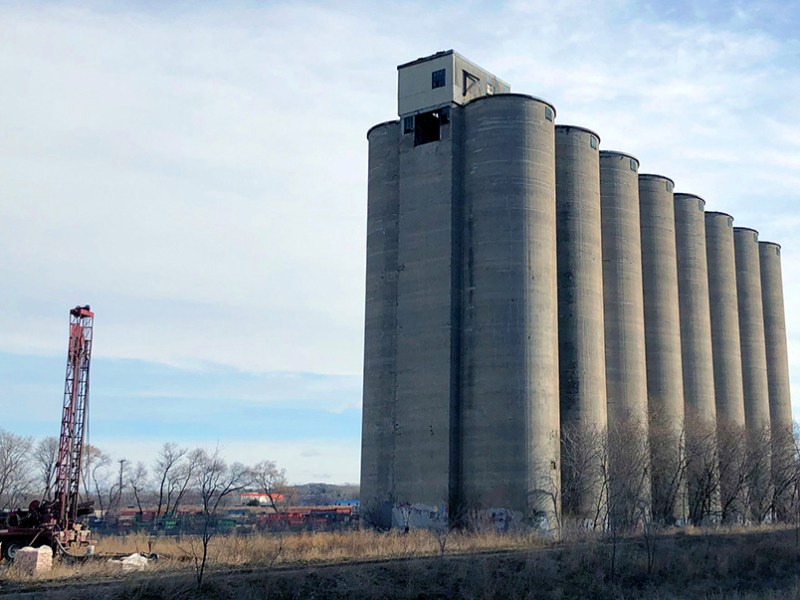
73	418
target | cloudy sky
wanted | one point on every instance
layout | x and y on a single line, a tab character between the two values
196	171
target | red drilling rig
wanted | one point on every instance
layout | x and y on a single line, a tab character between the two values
55	522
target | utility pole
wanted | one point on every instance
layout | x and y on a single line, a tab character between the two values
121	466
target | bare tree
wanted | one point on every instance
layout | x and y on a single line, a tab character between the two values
732	452
668	470
272	481
91	454
15	478
584	463
758	467
215	482
627	479
628	475
139	481
173	470
785	463
102	481
45	457
181	477
702	458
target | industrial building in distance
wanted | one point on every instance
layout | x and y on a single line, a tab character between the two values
527	291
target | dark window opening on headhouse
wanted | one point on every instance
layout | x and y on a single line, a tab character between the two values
438	79
633	165
548	113
408	124
427	126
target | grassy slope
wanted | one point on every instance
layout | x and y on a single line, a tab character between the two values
742	565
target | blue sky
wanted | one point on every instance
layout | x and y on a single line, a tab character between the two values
197	172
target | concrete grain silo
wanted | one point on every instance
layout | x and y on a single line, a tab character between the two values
754	369
623	306
380	331
751	330
662	343
780	403
545	325
728	389
623	301
510	414
695	310
428	306
696	356
581	341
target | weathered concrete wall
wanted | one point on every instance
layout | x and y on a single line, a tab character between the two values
662	343
780	402
661	308
751	329
695	309
623	301
427	304
510	420
380	328
728	389
696	355
626	367
581	340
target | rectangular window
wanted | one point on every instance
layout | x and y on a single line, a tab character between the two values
489	89
438	79
755	237
670	186
548	113
633	165
593	142
408	124
700	205
778	251
730	221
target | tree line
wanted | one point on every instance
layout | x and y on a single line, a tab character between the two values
635	475
177	477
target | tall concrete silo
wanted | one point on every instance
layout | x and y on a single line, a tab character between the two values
510	411
623	305
697	357
695	309
754	368
662	343
581	341
380	331
426	456
623	301
751	329
728	387
780	402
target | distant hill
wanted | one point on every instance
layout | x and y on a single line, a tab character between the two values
324	493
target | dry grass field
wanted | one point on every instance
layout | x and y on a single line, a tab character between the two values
762	564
